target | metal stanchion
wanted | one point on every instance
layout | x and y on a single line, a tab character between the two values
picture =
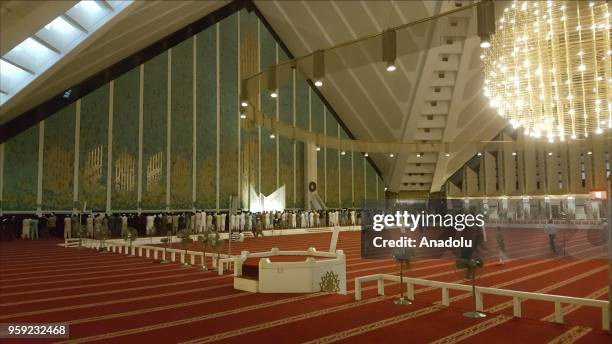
471	265
609	219
403	257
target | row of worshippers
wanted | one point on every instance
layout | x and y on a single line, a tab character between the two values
28	226
116	225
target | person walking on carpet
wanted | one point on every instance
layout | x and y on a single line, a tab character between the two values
552	234
501	246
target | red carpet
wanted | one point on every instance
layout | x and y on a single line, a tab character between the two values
112	298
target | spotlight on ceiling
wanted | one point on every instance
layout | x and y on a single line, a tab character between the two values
366	154
485	42
243	116
486	22
447	154
318	67
343	153
389	49
272	136
318	148
391	155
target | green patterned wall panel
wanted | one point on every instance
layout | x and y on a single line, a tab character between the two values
333	164
285	145
268	106
249	142
301	120
228	54
155	133
300	183
371	183
281	162
93	149
358	163
206	118
21	171
346	175
124	180
301	104
318	126
58	161
181	135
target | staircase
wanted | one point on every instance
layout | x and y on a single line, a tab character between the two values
438	83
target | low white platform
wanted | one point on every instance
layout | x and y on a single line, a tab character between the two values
292	277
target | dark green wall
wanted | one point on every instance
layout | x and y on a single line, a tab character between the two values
195	84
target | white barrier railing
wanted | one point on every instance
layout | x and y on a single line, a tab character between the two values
157	252
517	296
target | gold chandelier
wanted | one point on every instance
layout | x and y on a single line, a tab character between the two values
548	68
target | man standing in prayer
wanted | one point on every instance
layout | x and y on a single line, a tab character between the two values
34	228
175	223
90	224
223	217
25	228
209	222
52	223
150	224
501	246
75	224
67	227
124	224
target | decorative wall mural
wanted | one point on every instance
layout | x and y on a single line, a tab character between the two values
21	171
155	124
228	88
248	157
206	119
126	112
181	121
93	149
58	161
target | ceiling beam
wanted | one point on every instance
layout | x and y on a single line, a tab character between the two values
25	69
74	23
46	44
105	4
